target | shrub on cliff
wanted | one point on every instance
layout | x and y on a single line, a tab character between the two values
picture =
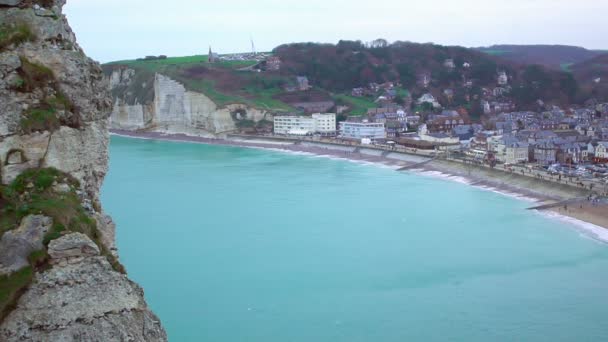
35	76
15	35
52	193
39	119
11	287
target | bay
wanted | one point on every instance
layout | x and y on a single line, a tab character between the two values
237	244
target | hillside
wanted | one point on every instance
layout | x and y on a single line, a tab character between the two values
559	57
593	76
461	71
222	81
455	76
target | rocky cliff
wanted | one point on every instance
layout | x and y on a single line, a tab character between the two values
156	102
60	279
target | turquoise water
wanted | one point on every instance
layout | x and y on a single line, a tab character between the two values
237	244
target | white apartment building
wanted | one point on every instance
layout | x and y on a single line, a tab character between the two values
362	130
517	153
325	123
303	125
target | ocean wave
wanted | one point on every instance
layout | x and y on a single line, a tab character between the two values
466	181
334	157
441	175
585	228
511	194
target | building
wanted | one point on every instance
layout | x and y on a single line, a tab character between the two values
212	57
428	98
545	153
498	145
502	78
588	153
571	152
362	130
601	151
440	138
444	124
463	132
324	124
424	80
517	152
302	82
293	125
273	63
449	64
357	92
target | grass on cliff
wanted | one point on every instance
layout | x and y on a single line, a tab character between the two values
33	193
222	82
250	95
15	35
39	119
159	65
11	288
43	116
35	76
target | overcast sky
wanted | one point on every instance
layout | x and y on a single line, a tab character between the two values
124	29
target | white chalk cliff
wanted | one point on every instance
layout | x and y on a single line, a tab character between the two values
165	105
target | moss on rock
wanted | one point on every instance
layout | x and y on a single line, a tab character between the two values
15	35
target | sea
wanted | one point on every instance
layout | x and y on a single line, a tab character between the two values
242	244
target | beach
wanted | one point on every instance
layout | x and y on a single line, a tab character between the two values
579	209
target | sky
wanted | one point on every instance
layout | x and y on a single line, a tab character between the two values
110	30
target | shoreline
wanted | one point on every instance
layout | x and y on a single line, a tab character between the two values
585	215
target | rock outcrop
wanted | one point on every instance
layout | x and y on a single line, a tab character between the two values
81	298
50	57
54	115
16	245
159	103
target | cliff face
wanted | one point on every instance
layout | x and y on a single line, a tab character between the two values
54	109
160	103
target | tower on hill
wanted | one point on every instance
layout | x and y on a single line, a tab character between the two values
212	57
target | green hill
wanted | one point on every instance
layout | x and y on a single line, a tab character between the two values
222	81
335	69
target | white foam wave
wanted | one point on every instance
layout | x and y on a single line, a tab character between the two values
464	180
261	141
514	195
439	174
585	228
333	157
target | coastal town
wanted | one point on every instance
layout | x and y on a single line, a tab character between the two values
569	143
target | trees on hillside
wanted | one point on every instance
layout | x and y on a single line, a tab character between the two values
351	64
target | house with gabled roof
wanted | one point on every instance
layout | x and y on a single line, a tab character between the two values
601	151
545	153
